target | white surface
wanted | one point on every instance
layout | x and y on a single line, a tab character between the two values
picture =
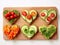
28	3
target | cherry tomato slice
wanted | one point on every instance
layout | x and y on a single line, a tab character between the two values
8	18
24	13
11	35
12	13
11	17
15	15
42	14
8	14
33	13
52	15
29	16
49	19
5	15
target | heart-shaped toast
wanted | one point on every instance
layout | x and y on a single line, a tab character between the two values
11	31
48	15
48	32
29	16
11	16
29	31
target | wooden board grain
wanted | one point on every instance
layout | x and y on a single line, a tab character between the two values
38	22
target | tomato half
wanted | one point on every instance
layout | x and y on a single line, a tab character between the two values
24	13
42	14
33	13
52	15
29	16
11	17
49	19
8	18
7	15
12	13
15	15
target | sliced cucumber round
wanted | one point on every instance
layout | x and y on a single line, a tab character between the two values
43	11
33	28
24	29
52	11
32	31
26	11
23	17
34	17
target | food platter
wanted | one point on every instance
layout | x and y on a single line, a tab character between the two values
37	22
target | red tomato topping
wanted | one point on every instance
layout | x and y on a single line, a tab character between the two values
12	13
12	33
43	14
52	14
33	13
49	19
11	17
8	18
7	15
24	13
10	36
6	32
29	16
15	15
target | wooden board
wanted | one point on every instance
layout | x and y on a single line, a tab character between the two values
38	22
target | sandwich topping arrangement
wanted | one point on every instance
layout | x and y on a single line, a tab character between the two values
11	16
29	16
44	23
11	31
29	31
48	32
48	15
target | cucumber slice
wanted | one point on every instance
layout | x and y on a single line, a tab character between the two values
34	17
33	28
23	17
26	11
52	11
29	31
32	31
24	29
43	11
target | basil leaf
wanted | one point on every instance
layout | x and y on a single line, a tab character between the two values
5	12
16	12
